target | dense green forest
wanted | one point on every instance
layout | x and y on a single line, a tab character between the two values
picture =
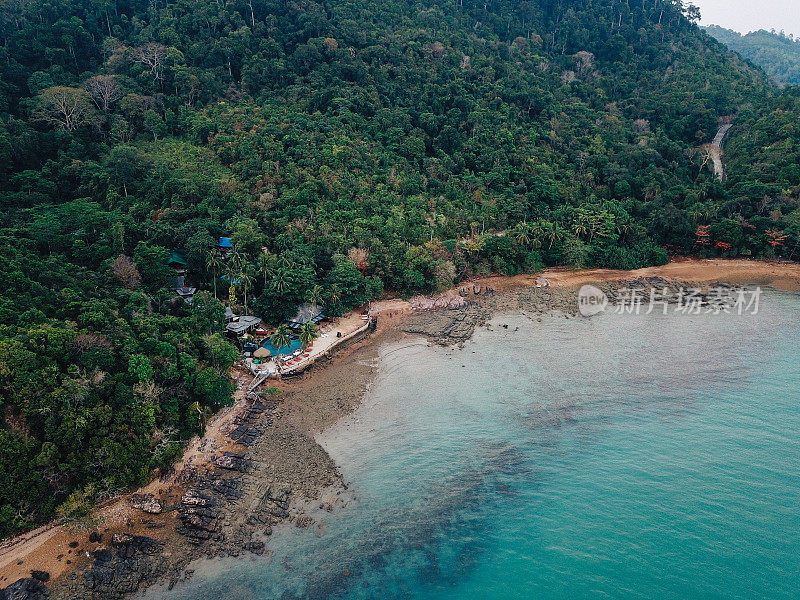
763	155
347	148
775	52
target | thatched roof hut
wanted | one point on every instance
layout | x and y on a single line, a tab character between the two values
307	313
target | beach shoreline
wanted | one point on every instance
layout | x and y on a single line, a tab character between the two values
224	497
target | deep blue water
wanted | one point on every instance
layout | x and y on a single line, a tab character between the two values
615	457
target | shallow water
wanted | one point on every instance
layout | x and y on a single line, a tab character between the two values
619	456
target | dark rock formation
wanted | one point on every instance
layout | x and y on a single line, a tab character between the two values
447	326
230	488
273	508
232	462
25	589
131	561
250	423
198	516
147	503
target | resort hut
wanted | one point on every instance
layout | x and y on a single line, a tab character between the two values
177	261
186	292
243	325
262	353
307	313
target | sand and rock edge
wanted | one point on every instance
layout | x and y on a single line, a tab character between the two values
262	467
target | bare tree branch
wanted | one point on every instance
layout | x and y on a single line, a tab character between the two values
64	107
152	55
104	90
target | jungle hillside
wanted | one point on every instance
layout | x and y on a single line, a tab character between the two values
349	150
777	53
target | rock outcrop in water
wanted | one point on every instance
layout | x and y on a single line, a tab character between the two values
447	326
451	319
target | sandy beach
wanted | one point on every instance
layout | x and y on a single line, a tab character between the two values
258	464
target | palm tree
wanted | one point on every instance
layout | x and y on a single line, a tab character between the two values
315	295
286	261
280	281
334	294
580	228
214	264
235	264
246	282
552	232
522	234
527	235
308	333
235	258
263	263
280	339
624	227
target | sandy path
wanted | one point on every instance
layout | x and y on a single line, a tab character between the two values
716	151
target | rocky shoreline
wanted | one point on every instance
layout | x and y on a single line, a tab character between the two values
268	471
455	322
272	468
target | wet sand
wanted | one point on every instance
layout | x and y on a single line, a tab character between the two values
273	479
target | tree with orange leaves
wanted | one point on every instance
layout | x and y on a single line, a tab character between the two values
702	234
776	238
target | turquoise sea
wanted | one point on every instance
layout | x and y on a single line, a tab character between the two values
619	457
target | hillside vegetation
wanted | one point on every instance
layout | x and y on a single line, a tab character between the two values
775	52
347	148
